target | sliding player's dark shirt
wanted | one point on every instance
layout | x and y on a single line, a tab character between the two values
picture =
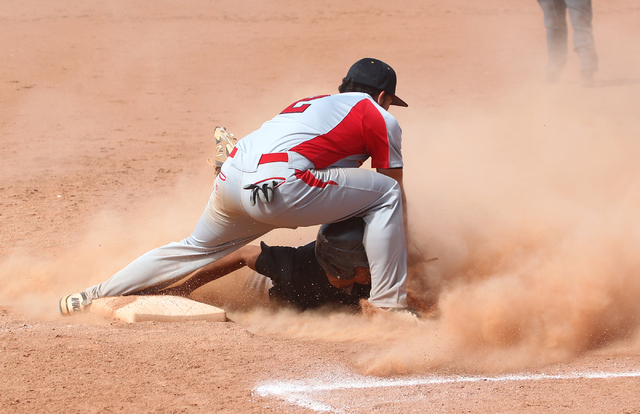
299	280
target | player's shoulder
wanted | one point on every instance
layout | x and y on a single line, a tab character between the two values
343	103
352	97
349	99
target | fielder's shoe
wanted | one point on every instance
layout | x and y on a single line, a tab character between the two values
72	304
225	142
551	77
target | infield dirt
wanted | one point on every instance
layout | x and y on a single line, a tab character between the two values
526	193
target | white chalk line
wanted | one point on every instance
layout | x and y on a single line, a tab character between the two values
301	393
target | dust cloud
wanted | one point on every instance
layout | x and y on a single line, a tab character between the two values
530	206
33	284
529	202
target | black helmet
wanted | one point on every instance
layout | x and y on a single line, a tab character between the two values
339	248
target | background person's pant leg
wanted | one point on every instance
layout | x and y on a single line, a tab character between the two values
581	15
555	20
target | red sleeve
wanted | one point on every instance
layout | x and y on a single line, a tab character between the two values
362	131
375	136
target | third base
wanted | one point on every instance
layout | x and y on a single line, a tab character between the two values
156	308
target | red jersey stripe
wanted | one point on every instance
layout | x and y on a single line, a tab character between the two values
362	131
311	180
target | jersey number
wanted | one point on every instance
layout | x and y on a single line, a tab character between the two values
300	106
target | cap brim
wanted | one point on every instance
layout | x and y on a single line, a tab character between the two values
398	102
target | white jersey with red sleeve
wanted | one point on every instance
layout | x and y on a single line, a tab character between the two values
341	130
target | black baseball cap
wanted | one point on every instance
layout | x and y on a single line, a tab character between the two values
377	74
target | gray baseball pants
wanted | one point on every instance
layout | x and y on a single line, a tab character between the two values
555	20
306	197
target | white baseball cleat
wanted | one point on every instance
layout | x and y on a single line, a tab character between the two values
225	142
72	304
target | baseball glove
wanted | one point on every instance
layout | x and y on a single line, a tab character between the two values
225	142
263	191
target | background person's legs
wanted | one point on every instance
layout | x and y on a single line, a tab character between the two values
581	15
555	20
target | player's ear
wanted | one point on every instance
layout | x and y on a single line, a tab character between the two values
384	100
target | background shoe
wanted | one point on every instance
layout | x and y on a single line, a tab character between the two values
551	77
587	79
72	304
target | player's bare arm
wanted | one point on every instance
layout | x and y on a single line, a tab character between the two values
245	256
396	174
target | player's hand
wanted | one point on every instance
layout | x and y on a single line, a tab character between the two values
264	191
225	141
